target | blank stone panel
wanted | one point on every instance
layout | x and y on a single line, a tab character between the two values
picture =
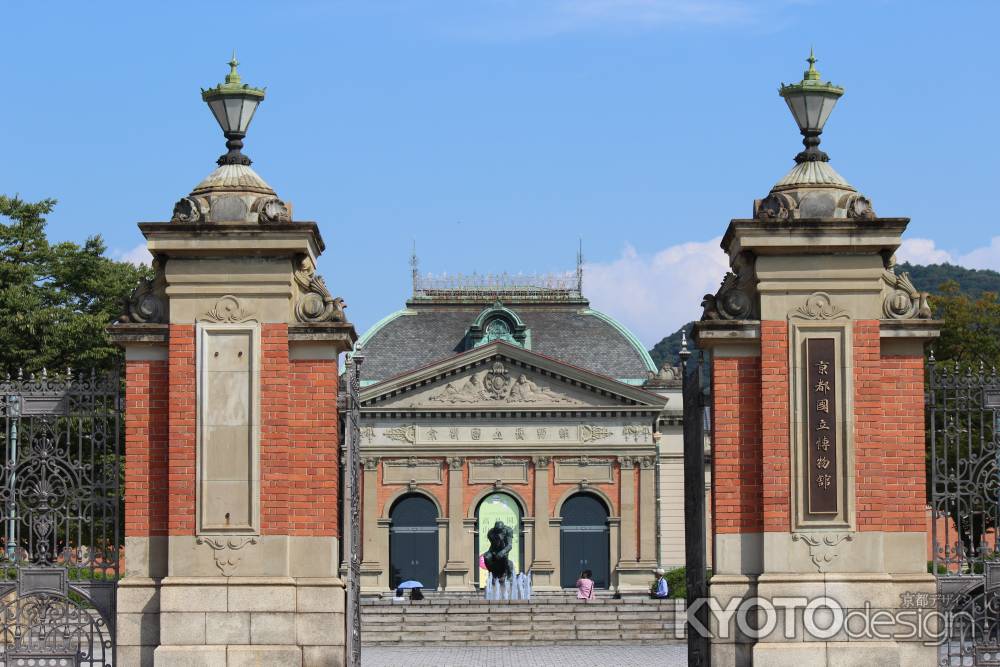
227	481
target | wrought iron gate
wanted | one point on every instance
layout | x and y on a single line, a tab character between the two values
963	413
352	523
60	529
694	501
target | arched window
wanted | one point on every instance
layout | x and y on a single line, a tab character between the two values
497	329
498	507
413	541
584	540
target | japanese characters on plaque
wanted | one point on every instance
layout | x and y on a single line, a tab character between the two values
821	430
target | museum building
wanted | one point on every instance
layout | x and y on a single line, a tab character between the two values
511	399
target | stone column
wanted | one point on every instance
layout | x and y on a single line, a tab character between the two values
242	337
812	335
633	574
456	569
541	567
374	559
647	511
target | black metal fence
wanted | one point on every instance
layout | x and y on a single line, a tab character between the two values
60	518
963	416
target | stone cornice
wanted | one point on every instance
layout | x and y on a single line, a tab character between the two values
341	334
913	329
127	333
713	333
813	236
233	239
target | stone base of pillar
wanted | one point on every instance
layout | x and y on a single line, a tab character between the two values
636	578
229	621
456	577
862	595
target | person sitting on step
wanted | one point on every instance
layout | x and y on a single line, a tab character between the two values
585	586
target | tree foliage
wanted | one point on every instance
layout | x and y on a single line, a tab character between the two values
56	299
667	349
932	278
970	333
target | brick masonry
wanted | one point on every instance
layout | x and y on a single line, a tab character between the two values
146	438
751	435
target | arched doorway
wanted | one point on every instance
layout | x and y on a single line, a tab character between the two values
498	507
413	541
584	540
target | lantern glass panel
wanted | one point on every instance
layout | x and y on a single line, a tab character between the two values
218	107
249	107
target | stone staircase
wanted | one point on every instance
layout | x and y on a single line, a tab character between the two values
547	619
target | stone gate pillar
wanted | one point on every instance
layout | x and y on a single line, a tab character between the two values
818	489
231	476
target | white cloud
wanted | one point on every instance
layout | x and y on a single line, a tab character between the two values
986	257
922	251
138	255
653	295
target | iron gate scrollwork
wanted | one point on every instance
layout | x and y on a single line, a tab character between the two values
352	526
963	412
60	530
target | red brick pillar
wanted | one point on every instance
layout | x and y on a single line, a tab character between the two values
818	476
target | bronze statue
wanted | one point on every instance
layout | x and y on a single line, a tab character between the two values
501	539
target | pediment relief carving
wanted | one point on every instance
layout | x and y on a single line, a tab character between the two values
819	306
499	385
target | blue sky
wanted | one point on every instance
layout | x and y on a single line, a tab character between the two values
495	133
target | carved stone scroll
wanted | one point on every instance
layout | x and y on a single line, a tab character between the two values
148	302
823	547
225	551
818	306
314	302
736	298
228	310
902	300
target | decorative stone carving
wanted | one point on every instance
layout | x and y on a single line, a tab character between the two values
737	296
637	432
402	433
368	433
589	433
542	461
775	206
902	300
314	302
370	463
190	210
646	462
497	382
148	302
818	306
225	551
626	462
859	207
228	310
271	210
495	386
823	546
455	463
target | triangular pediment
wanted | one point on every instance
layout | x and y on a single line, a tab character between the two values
503	377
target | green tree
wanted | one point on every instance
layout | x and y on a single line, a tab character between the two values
971	330
56	299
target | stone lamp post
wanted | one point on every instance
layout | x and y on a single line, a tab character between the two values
232	452
818	475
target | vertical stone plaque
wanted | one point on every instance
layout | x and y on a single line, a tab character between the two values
821	459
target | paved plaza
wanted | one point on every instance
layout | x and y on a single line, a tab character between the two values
523	656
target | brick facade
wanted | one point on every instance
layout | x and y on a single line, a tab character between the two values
736	445
182	429
146	482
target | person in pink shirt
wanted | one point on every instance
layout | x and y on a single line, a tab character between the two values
585	586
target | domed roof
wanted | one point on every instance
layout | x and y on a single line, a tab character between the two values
429	330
